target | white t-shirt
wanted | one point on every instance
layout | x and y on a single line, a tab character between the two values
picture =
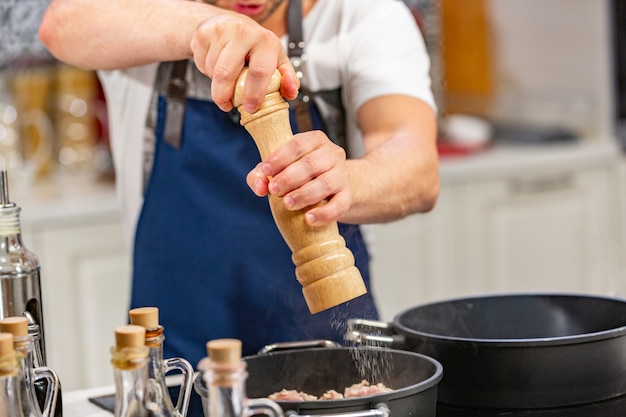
368	47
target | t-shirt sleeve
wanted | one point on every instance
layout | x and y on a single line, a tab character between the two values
128	93
387	55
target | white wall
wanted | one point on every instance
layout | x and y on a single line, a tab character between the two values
552	62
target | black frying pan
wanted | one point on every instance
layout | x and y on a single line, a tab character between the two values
413	378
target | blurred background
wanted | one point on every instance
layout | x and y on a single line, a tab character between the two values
533	192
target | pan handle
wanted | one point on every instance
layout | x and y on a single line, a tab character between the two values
297	345
381	410
264	406
373	333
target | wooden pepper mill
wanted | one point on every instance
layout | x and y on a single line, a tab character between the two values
324	265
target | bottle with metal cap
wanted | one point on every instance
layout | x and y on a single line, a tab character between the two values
148	317
38	382
20	282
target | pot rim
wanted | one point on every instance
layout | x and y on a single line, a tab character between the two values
516	342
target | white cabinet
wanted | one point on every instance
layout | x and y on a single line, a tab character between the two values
551	232
411	258
85	279
525	220
85	286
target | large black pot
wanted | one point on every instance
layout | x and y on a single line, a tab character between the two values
515	351
413	378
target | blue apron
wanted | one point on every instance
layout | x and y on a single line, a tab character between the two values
208	253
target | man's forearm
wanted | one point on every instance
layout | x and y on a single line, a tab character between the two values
399	174
109	34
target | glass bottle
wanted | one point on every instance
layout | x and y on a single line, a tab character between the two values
34	376
41	384
129	358
10	378
20	283
148	317
225	377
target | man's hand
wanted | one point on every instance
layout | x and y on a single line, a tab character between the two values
225	43
305	171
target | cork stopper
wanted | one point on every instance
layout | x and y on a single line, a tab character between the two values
130	350
225	352
224	363
129	336
17	326
147	317
8	357
6	344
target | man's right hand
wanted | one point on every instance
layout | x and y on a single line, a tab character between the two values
225	43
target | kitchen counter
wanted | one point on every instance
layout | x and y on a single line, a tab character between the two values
62	198
520	159
66	197
76	403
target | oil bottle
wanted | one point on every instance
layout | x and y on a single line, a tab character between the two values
35	378
148	317
10	378
129	357
225	378
11	374
20	282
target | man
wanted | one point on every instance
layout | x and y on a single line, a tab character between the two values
206	249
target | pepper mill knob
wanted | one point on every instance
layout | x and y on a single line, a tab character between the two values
324	265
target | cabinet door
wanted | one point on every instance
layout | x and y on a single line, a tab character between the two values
410	258
85	276
543	233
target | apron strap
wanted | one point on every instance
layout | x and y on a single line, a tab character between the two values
295	51
176	97
171	80
334	125
295	45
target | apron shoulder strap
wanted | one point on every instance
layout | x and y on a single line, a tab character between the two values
329	103
295	46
